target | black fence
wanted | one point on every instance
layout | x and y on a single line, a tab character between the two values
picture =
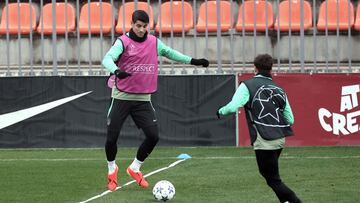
71	112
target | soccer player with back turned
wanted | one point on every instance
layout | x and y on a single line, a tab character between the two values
133	59
269	117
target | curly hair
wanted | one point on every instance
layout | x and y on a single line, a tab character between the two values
263	62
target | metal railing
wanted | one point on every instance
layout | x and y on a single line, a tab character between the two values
230	50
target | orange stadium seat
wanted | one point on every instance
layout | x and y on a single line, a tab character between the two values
225	21
27	24
357	22
62	21
331	15
176	16
284	20
129	8
261	17
95	18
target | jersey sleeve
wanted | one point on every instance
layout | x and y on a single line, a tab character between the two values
240	98
112	55
288	113
172	54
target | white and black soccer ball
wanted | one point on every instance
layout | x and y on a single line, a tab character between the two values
164	190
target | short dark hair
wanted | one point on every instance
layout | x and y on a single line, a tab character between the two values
263	62
140	15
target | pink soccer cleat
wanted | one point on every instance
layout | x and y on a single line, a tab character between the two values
112	180
138	177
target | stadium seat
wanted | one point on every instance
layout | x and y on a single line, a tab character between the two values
331	15
62	10
176	15
129	8
225	10
25	21
95	18
261	17
357	21
283	18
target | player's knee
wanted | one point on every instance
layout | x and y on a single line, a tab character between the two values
273	182
156	139
112	137
152	133
264	174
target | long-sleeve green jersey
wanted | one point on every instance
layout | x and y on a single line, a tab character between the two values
115	52
240	99
242	96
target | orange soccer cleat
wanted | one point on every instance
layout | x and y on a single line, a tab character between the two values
138	177
112	180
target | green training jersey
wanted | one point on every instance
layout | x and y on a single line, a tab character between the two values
240	98
115	52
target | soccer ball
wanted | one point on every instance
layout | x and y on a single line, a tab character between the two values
164	190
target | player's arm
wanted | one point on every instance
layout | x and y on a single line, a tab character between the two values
240	98
288	113
112	55
174	55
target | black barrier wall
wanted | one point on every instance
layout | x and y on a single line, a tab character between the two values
71	112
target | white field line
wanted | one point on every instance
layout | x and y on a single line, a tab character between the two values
170	158
133	181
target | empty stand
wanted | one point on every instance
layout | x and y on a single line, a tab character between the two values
332	17
357	22
249	18
96	18
26	22
177	17
225	14
129	8
65	17
295	19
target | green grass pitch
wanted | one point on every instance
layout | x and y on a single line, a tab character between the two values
214	174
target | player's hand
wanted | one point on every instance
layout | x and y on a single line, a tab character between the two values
121	74
199	62
218	114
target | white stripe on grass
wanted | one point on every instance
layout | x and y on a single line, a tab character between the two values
171	158
128	183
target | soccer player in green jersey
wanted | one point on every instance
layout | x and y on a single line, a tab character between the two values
133	61
269	117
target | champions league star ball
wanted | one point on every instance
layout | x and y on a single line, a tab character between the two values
164	190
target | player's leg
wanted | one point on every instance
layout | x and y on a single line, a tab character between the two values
144	117
267	161
117	114
152	138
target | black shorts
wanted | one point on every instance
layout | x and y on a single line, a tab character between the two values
142	113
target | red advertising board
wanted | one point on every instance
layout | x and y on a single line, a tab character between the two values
326	108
